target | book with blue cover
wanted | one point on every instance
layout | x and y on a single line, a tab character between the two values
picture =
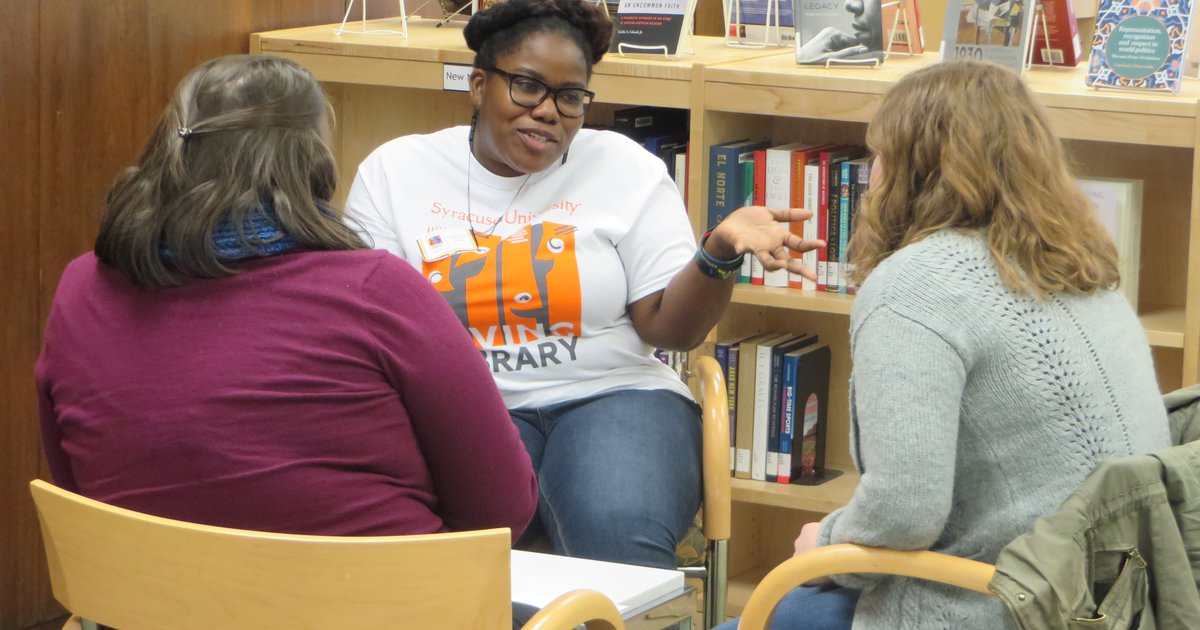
1140	45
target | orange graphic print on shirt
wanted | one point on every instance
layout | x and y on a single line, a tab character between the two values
518	290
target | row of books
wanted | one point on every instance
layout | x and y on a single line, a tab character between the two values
827	179
778	405
662	131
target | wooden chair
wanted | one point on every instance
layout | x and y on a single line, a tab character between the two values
129	570
714	403
833	559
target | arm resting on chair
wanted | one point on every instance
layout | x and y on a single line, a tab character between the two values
834	559
579	606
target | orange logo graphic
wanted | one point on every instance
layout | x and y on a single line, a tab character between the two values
517	290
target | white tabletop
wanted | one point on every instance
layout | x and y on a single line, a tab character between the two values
537	578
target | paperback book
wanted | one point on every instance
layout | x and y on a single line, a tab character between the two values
835	32
650	26
1140	45
983	30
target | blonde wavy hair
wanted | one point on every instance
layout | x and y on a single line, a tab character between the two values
963	145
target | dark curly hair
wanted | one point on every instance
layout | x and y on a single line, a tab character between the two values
500	28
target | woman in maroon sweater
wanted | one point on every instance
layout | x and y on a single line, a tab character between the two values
233	354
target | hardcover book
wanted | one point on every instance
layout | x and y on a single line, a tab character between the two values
838	31
1058	42
1140	45
650	26
1118	205
805	458
983	30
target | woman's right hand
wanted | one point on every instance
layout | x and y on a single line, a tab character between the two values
764	233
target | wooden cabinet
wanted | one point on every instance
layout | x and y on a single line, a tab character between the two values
386	86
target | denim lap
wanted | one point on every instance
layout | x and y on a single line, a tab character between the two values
619	474
811	608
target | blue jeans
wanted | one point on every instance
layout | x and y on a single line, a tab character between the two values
811	608
619	474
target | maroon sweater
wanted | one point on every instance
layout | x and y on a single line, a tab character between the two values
318	393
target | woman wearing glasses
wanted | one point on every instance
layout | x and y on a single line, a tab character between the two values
568	255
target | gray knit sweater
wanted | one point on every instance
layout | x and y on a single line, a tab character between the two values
974	411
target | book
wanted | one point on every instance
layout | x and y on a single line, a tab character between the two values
1118	205
903	31
539	578
1140	45
650	26
787	409
800	198
774	406
761	22
806	459
777	193
727	353
1058	42
983	30
639	122
838	31
746	375
762	404
725	192
829	202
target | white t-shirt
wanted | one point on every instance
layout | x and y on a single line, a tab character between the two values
562	252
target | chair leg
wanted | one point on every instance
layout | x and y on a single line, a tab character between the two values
715	587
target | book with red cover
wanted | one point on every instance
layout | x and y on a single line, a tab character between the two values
1062	31
898	36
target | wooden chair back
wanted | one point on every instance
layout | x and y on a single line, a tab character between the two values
130	570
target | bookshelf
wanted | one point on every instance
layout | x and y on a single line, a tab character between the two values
383	86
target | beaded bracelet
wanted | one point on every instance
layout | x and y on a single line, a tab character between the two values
715	267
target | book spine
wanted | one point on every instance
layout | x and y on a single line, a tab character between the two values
724	186
776	194
814	227
787	427
773	417
762	397
731	383
823	221
745	410
847	175
796	200
831	178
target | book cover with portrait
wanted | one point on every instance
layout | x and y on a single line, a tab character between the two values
834	32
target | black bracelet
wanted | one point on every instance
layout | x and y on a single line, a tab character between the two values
715	267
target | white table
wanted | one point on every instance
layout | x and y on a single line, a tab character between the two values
647	598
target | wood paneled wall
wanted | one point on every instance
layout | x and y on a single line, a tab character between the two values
82	83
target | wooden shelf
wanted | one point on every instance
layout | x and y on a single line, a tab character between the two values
824	498
777	297
739	587
777	86
1164	326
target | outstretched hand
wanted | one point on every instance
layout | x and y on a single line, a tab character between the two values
763	232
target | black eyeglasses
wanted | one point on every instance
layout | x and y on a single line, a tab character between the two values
527	91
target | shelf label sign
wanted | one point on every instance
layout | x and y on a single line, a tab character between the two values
454	78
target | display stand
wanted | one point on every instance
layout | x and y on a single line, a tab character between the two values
901	14
731	25
363	30
473	5
853	63
1039	21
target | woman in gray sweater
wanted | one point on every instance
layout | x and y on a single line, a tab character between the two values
994	364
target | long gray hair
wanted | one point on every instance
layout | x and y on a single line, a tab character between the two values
241	132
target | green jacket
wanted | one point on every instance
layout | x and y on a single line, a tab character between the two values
1123	551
